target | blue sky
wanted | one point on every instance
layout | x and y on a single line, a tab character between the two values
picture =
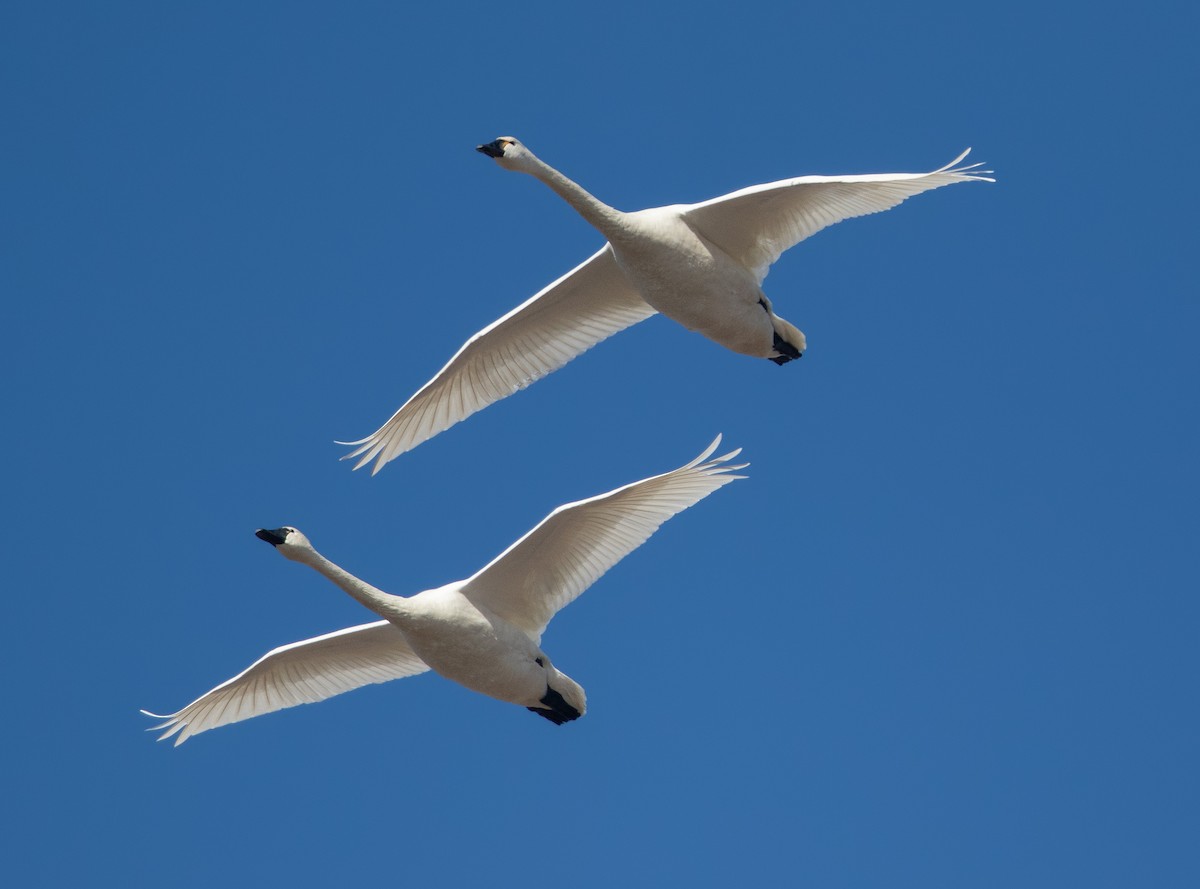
943	636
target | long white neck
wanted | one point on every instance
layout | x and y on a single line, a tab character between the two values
605	218
383	604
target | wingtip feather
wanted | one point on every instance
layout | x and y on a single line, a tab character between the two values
955	162
716	442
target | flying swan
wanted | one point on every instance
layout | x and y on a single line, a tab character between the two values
700	264
484	632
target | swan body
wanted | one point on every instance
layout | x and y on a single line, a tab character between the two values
690	280
484	632
700	264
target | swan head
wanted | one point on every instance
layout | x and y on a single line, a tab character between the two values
507	152
290	542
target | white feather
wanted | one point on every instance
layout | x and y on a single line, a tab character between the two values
300	673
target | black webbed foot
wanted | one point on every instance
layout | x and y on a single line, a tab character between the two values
557	710
787	352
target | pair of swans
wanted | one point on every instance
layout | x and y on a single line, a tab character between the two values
702	265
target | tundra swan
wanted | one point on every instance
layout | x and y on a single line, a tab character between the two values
701	264
484	632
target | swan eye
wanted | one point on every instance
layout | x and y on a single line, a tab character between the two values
539	662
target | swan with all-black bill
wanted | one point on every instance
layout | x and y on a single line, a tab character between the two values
701	264
484	632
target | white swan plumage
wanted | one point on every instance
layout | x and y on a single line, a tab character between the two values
484	632
701	264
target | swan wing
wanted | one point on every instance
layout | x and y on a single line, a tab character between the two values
588	304
301	673
757	224
573	546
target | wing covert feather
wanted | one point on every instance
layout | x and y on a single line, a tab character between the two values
300	673
757	224
583	307
578	542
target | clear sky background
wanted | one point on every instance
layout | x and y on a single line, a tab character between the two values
943	636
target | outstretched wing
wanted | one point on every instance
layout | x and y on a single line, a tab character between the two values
300	673
574	545
588	304
757	224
